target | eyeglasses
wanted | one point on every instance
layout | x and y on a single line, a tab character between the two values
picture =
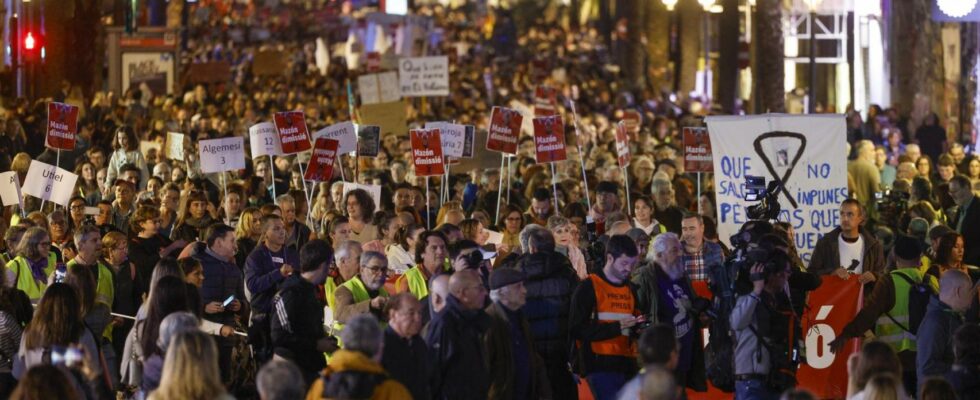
77	208
377	269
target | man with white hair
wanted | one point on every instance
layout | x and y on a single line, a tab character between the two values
865	174
279	380
913	151
363	293
666	289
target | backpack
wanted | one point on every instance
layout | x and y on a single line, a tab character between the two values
918	301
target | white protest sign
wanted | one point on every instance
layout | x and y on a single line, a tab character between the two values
264	140
424	76
379	88
345	133
452	136
373	190
220	155
805	152
493	237
10	189
47	182
147	145
175	146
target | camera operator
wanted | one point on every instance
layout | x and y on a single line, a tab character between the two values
849	249
767	332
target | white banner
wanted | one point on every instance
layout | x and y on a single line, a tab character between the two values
264	140
452	136
220	155
424	76
10	189
47	182
807	153
378	88
345	133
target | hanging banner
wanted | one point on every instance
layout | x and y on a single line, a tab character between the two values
623	155
175	146
697	150
345	133
453	137
320	168
368	140
427	152
549	139
545	101
505	128
10	189
263	140
62	126
50	183
294	137
220	155
804	152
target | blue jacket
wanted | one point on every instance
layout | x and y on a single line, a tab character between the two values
934	340
221	279
458	353
550	283
262	277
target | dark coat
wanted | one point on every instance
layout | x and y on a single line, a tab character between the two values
934	340
221	279
501	358
297	325
406	360
826	255
455	341
970	231
550	281
966	381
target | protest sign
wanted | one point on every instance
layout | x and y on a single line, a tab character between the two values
220	155
368	140
345	133
805	152
175	146
269	62
453	137
623	155
373	190
424	76
469	139
10	189
294	137
263	140
390	117
427	152
50	183
62	126
549	139
494	237
505	128
320	168
147	145
545	101
633	119
697	150
378	88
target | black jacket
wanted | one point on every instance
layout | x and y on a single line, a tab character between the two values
297	324
457	350
965	380
221	280
550	281
970	231
145	253
407	362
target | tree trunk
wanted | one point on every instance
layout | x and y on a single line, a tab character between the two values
633	61
769	55
689	15
968	78
916	64
728	39
657	27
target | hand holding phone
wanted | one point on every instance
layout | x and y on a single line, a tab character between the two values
228	301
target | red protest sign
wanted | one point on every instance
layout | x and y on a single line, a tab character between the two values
427	152
320	168
633	119
623	144
697	150
549	139
62	126
293	134
505	128
545	101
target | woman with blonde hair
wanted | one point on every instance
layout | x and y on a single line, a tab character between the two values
248	232
884	386
190	371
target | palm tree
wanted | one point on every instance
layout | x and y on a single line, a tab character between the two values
769	56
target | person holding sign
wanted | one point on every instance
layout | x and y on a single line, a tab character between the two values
35	262
849	249
125	148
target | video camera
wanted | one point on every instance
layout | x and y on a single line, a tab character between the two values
768	197
891	204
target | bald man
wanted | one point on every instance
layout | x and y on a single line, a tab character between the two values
438	291
934	340
454	340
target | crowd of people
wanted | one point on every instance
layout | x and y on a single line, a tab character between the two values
158	281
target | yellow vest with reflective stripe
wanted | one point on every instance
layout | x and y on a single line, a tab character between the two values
25	279
417	283
887	330
360	293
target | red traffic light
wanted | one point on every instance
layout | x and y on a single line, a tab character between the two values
29	41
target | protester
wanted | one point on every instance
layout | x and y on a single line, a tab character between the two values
964	376
514	365
191	370
849	248
405	354
699	255
363	293
934	340
280	380
29	271
430	255
454	340
265	269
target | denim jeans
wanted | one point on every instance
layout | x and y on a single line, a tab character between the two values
754	389
605	385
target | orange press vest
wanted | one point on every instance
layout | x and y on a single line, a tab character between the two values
613	303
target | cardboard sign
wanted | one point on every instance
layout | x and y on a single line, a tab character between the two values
378	88
368	140
373	190
10	189
175	146
494	237
545	101
48	182
469	139
294	137
623	155
320	168
147	145
697	150
390	117
263	140
220	155
633	119
62	126
549	139
345	133
269	62
505	128
427	152
424	76
453	137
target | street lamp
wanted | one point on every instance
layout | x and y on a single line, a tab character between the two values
812	104
706	5
670	4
